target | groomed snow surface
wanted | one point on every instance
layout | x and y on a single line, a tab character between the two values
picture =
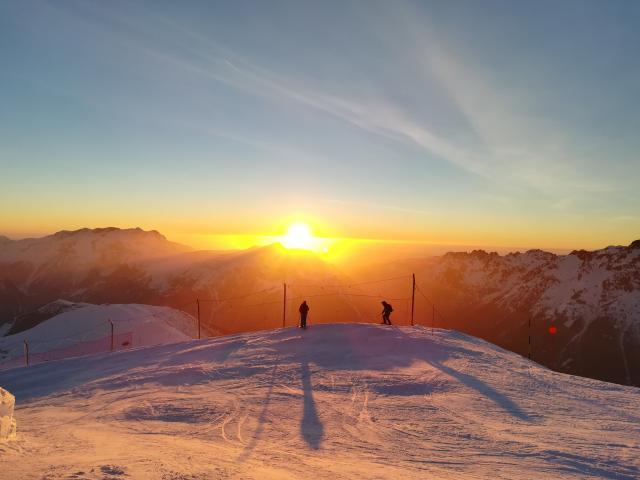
86	329
334	401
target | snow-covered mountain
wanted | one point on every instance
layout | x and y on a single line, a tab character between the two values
335	401
36	271
133	266
81	329
85	248
592	298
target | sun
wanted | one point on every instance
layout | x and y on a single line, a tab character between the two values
299	236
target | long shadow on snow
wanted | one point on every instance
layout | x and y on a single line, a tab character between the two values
387	348
310	427
473	382
262	418
485	389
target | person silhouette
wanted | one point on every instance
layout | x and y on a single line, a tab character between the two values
386	311
304	310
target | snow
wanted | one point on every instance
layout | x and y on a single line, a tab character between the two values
7	422
582	286
86	324
77	253
334	401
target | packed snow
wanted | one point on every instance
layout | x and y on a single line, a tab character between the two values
334	401
87	329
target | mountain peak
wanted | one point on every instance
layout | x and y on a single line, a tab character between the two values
107	231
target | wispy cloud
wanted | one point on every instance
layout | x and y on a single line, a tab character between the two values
514	149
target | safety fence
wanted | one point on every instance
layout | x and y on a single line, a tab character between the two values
261	309
25	354
277	306
119	341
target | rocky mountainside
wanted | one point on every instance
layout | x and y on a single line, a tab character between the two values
591	297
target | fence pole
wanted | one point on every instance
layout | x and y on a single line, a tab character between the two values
413	295
284	304
433	317
26	352
529	338
111	323
198	305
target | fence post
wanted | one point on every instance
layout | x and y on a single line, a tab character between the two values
284	304
529	337
413	295
111	323
198	305
433	317
26	352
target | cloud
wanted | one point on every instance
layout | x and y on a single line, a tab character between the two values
515	149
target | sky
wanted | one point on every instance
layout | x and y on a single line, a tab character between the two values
485	123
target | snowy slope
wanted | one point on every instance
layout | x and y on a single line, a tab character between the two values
335	401
88	325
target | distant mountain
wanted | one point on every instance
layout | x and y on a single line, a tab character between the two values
67	264
591	297
135	266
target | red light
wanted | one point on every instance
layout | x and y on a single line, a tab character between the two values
553	330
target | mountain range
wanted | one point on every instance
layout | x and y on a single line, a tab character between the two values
592	298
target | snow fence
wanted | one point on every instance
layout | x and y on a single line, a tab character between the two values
7	422
120	341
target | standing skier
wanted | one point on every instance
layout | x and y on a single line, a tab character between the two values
386	311
304	310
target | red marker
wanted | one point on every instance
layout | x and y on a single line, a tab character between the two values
553	330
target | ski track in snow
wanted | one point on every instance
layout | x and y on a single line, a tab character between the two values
335	401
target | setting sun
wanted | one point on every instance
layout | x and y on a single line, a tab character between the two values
299	236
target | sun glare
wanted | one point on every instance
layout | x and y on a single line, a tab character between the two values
299	236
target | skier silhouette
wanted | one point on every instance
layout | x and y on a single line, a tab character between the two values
386	311
304	310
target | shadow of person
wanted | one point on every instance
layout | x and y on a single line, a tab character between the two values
262	418
485	389
311	427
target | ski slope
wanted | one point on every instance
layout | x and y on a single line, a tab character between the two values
85	328
334	401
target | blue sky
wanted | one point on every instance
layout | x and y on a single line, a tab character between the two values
498	123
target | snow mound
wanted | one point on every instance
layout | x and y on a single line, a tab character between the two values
7	422
342	401
86	329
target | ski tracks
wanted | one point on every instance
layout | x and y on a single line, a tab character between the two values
238	417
